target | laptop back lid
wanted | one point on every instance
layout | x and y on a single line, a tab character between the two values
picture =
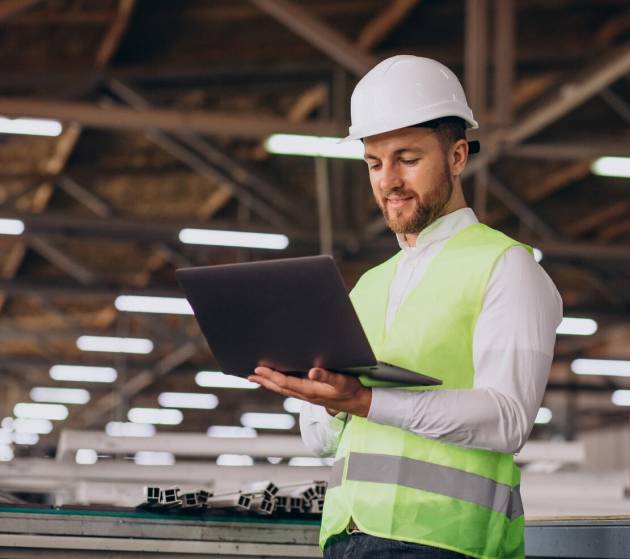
289	314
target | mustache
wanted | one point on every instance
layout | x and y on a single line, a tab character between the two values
399	192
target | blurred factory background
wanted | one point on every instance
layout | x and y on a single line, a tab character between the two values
163	138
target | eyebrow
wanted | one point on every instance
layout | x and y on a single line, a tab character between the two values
397	152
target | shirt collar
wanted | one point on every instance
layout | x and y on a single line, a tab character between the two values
440	230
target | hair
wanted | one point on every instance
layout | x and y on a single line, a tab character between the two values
449	129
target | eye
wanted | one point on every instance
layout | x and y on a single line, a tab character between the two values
409	162
373	166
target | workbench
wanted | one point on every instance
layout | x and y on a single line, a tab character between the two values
88	533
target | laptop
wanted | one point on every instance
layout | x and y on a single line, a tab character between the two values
288	314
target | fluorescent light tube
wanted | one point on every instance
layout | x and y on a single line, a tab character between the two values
82	373
56	412
6	453
234	460
231	432
577	326
155	416
26	439
11	227
612	167
153	458
543	416
85	456
217	379
608	367
268	420
242	239
60	395
621	397
292	405
158	305
313	146
124	429
37	426
30	126
310	461
113	344
188	400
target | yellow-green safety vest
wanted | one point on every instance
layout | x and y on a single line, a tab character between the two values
398	485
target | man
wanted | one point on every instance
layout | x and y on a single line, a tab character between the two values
430	472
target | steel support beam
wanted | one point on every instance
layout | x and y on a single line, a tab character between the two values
591	149
9	8
137	384
253	126
504	56
567	98
254	190
318	34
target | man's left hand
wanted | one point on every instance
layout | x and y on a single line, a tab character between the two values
332	390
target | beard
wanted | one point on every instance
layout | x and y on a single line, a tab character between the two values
424	213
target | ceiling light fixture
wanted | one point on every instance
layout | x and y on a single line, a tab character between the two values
606	367
543	416
11	227
60	395
155	416
124	429
243	239
577	326
158	305
217	379
83	373
55	412
611	167
112	344
30	126
313	146
188	400
231	432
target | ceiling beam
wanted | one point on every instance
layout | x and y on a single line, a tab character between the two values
319	34
240	179
253	126
52	223
9	8
139	382
568	97
567	150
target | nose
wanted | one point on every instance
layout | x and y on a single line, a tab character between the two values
389	178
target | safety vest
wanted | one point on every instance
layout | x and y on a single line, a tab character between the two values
398	485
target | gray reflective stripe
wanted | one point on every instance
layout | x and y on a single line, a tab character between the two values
444	480
336	473
516	504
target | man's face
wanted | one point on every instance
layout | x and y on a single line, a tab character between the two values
410	178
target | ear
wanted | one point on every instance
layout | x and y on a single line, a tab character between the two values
458	156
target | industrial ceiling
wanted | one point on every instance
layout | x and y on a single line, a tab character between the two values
165	108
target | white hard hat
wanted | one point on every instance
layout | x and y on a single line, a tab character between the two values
405	90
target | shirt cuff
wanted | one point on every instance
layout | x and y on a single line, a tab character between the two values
389	407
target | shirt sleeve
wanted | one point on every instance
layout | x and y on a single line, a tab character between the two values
321	431
512	353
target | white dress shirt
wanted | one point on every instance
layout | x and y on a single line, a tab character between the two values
512	352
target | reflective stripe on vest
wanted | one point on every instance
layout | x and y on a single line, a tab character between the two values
336	473
444	480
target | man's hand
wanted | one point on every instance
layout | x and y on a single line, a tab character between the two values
333	391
